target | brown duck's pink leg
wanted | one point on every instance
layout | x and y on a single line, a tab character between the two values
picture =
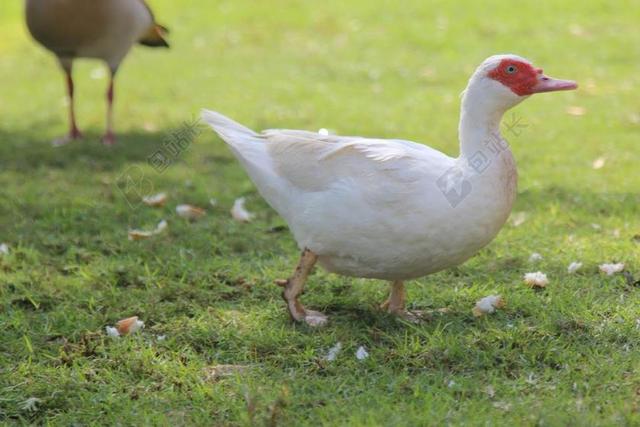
74	132
294	286
109	137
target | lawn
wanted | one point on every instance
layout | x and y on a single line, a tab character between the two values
565	355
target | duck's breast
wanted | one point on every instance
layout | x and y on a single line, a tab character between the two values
104	29
418	232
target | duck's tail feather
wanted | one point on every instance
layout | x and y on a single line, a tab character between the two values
251	150
155	36
228	129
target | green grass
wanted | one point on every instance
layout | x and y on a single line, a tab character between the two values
568	355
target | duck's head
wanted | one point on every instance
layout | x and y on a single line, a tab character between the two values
503	81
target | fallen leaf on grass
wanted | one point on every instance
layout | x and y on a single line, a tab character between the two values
611	269
599	163
575	110
536	280
214	373
129	325
239	213
156	200
573	267
143	234
190	212
487	305
149	126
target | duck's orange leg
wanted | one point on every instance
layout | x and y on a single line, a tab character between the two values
395	304
294	286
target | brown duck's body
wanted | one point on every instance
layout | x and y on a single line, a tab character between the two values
101	29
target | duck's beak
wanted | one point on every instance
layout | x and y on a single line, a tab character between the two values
548	84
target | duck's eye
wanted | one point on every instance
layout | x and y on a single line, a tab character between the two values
511	69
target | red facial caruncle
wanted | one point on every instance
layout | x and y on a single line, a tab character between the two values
523	79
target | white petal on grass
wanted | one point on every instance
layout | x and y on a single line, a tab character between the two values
214	373
112	332
535	257
536	280
31	404
488	305
98	73
161	337
323	131
577	30
155	200
162	225
599	163
505	406
4	249
239	212
149	126
190	212
144	234
491	392
333	352
573	267
213	202
518	218
611	269
362	353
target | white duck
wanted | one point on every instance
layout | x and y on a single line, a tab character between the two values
391	209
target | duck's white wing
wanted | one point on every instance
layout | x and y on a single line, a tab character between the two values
314	162
303	173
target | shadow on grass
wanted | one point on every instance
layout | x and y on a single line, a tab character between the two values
28	150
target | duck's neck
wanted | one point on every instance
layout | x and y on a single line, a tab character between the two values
479	129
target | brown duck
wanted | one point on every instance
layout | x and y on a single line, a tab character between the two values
102	29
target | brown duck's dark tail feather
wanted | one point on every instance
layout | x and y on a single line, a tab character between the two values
155	37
